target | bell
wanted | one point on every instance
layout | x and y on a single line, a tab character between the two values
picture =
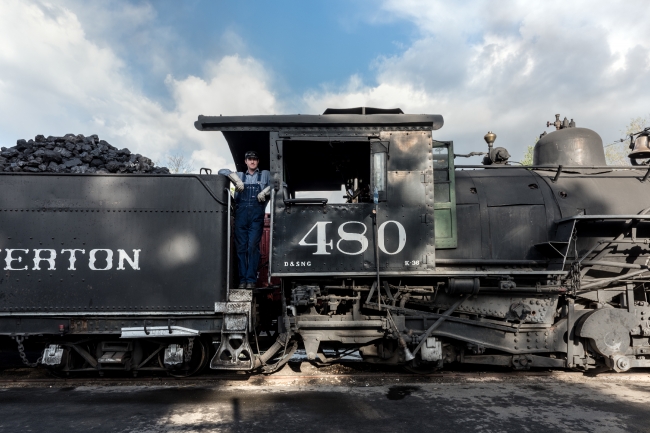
408	356
641	147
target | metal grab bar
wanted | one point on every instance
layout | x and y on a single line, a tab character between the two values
290	201
604	217
271	235
555	167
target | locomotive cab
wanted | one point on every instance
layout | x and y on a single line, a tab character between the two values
388	186
346	177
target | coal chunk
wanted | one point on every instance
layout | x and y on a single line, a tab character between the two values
21	145
51	155
9	153
72	162
66	154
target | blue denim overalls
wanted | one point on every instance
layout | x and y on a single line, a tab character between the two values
249	224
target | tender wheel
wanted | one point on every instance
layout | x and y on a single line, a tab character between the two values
68	362
196	363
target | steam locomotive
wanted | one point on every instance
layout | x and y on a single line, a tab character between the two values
377	243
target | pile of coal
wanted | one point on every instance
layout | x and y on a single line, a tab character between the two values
73	154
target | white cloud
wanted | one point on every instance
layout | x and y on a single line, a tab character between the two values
509	66
55	80
236	86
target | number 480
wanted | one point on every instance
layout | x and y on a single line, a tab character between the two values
360	239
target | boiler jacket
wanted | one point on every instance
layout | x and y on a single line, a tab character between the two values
249	222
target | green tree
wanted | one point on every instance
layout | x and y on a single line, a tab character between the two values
616	152
527	159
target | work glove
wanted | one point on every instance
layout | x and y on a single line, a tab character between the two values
239	185
261	197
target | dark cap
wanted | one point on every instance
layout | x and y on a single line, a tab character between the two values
251	154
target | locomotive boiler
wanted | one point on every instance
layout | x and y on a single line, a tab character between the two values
378	243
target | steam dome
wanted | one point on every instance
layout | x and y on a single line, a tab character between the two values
570	147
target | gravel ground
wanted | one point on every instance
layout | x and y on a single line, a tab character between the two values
304	399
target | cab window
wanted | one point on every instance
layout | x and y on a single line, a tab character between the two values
338	170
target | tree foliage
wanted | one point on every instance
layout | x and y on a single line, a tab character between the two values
528	156
616	152
179	164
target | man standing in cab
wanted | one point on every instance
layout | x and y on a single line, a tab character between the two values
251	191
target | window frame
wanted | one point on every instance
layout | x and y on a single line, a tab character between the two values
448	218
281	141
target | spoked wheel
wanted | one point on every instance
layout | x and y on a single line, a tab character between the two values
198	359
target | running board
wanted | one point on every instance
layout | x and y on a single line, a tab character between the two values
158	331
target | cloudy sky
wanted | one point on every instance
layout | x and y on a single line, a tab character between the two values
138	73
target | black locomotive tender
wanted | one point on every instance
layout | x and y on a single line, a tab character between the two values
423	263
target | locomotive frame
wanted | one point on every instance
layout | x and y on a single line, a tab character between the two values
516	288
426	263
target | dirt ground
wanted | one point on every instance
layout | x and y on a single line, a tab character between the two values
302	398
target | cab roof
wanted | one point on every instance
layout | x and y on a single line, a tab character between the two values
244	133
286	121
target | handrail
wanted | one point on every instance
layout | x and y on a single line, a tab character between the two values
321	201
228	248
559	169
555	167
604	217
486	262
271	235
